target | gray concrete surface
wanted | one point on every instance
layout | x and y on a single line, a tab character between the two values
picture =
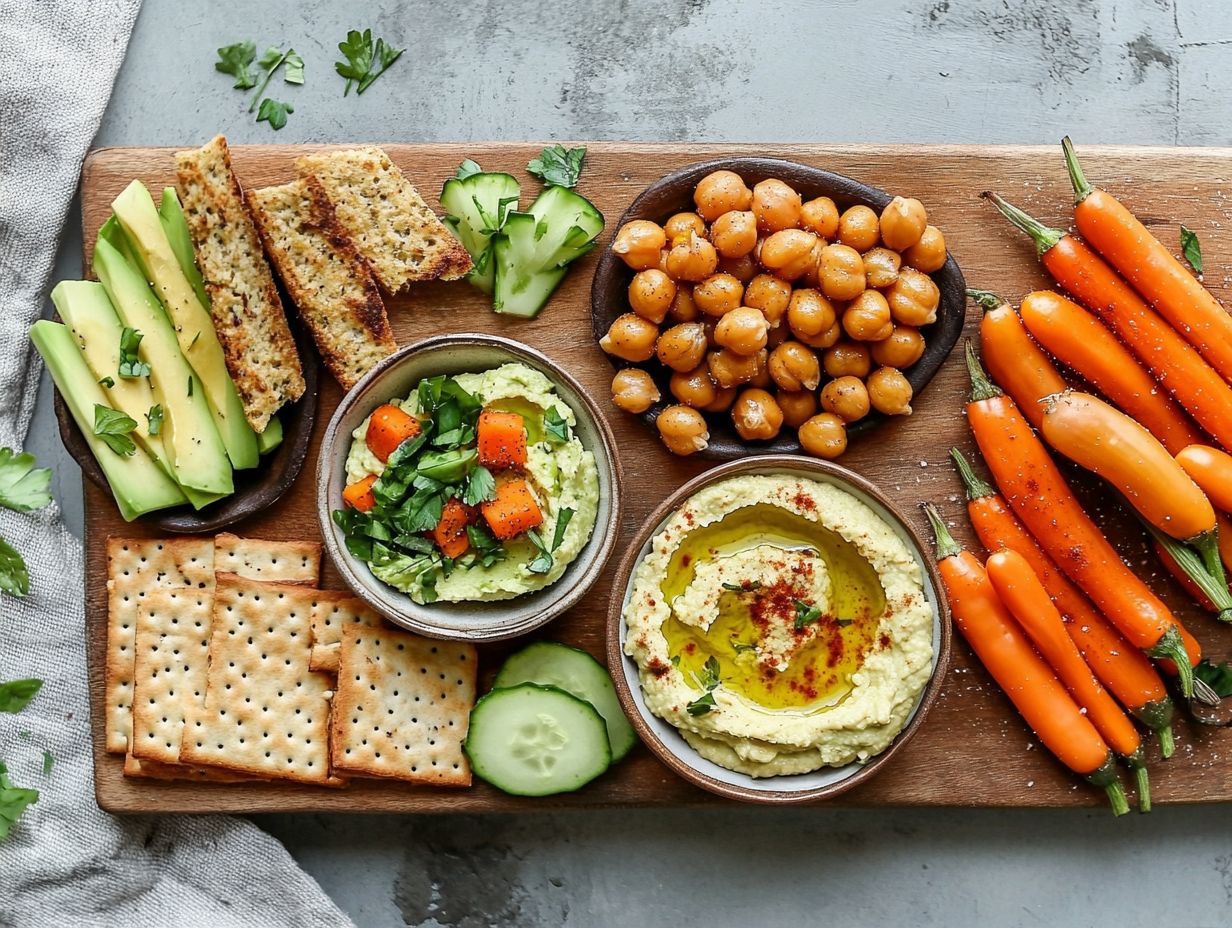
1132	71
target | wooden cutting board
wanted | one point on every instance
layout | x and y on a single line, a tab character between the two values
972	750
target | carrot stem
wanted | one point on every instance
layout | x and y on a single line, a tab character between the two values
1106	776
982	388
946	545
1200	561
1043	236
1143	782
1166	745
976	486
986	299
1082	188
1171	647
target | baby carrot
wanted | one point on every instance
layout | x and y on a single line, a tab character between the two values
1076	338
1043	500
1031	685
1119	665
1020	590
1016	363
1211	469
1142	259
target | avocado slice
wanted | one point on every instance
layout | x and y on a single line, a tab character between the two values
271	438
171	215
194	328
198	455
84	307
137	482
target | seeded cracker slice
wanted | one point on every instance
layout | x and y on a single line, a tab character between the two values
402	706
135	566
271	561
329	618
265	713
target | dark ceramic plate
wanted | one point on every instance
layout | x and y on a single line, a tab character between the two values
674	193
254	489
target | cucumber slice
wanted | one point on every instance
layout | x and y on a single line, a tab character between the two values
532	740
550	663
477	207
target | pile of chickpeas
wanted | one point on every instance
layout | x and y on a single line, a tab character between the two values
777	311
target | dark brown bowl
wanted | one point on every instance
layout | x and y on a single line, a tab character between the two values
674	193
667	743
255	489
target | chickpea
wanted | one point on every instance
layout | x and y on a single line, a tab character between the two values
867	317
683	309
630	338
723	400
846	397
794	367
730	369
693	388
776	336
847	359
734	233
692	258
756	415
633	390
762	379
743	330
903	348
638	243
824	436
718	294
825	339
651	293
928	254
683	430
809	313
743	268
902	223
858	228
820	216
913	298
842	272
776	205
769	294
682	347
797	406
662	265
889	391
682	224
788	253
720	192
881	267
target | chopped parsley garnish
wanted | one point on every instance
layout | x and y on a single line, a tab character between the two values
274	112
13	802
48	761
23	486
113	427
155	419
558	166
741	647
130	365
237	60
106	382
480	487
16	694
366	59
708	679
1191	248
805	613
562	523
555	426
542	563
702	704
749	587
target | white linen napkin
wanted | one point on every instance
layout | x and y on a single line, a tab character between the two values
66	862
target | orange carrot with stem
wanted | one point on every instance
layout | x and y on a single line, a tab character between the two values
1043	500
1142	259
1211	469
1172	361
1015	361
1119	665
1020	590
1031	685
1077	339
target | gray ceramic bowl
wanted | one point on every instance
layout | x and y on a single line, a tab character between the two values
492	621
663	738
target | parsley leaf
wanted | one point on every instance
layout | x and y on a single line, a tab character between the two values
805	613
16	694
293	73
709	680
467	168
740	647
113	426
106	382
365	60
480	487
23	487
13	801
558	166
155	418
14	578
235	60
702	704
488	550
1217	676
48	761
130	365
274	112
748	587
555	426
562	523
1191	248
542	563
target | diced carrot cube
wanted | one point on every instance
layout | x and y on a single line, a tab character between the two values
359	494
502	439
450	532
389	427
513	511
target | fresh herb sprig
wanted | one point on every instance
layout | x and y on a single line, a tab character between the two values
131	366
366	59
114	427
558	166
708	679
155	419
239	59
805	613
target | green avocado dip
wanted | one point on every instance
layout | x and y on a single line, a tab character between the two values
473	505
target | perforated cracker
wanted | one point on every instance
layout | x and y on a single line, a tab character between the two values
153	770
330	616
271	561
265	712
402	706
134	567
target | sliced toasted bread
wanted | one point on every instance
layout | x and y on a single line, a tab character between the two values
336	294
247	312
392	227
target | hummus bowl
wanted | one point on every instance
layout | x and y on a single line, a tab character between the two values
471	596
779	631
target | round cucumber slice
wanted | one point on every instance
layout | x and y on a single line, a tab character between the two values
532	740
550	663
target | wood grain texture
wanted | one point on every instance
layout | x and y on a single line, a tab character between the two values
972	750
